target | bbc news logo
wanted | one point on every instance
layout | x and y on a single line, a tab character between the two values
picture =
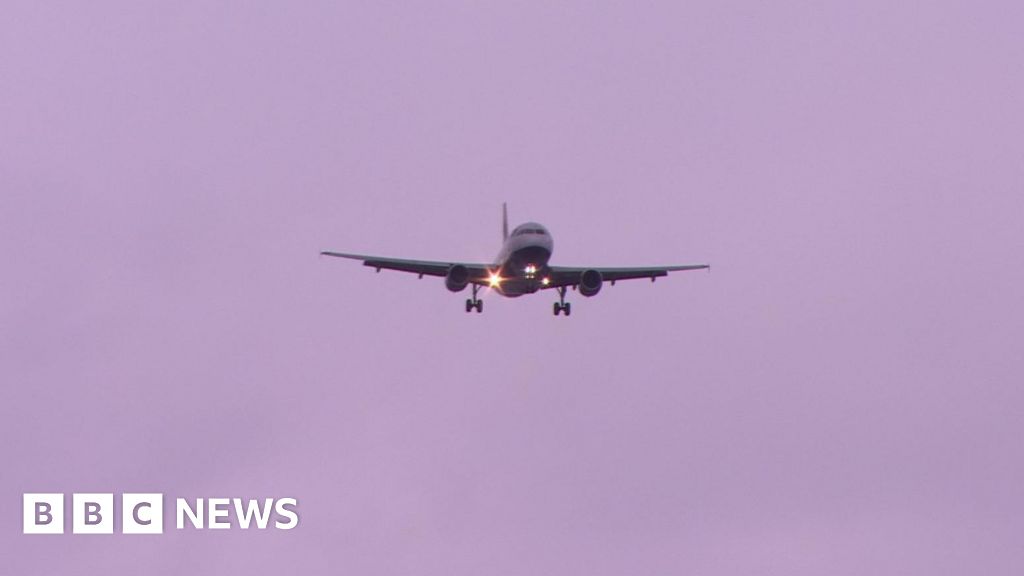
93	513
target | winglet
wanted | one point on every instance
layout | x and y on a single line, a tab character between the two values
504	221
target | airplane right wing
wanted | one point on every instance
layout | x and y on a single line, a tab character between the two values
569	276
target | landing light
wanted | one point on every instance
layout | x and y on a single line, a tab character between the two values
531	270
494	280
545	281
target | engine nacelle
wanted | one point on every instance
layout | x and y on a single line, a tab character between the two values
457	278
590	282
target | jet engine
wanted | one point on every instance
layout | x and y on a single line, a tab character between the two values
457	278
590	282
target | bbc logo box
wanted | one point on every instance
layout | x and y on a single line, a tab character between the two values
93	513
43	514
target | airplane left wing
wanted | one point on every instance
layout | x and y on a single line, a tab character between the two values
478	273
570	276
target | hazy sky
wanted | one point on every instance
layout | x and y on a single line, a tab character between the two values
840	395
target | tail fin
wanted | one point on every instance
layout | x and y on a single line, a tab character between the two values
504	221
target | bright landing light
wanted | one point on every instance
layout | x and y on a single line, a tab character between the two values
494	280
545	281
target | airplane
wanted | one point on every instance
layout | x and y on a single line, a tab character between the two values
520	268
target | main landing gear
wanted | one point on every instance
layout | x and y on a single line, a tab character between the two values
475	302
562	305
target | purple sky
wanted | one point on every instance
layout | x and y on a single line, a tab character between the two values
841	395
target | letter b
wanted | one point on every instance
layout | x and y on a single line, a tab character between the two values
43	513
92	514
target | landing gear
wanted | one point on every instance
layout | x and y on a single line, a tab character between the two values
475	302
562	305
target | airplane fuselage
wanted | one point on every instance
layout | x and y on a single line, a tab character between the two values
522	264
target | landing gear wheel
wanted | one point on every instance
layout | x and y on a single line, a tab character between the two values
562	305
474	302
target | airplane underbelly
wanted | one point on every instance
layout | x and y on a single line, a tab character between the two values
513	288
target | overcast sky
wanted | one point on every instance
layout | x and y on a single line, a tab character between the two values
840	395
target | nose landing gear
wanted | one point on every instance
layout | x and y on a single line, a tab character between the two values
474	302
562	305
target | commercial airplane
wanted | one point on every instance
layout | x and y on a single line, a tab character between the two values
520	268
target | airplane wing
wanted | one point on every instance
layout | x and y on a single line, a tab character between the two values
570	276
478	273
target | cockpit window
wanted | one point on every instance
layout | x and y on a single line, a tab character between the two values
522	231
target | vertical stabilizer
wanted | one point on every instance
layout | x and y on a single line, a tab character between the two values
504	221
